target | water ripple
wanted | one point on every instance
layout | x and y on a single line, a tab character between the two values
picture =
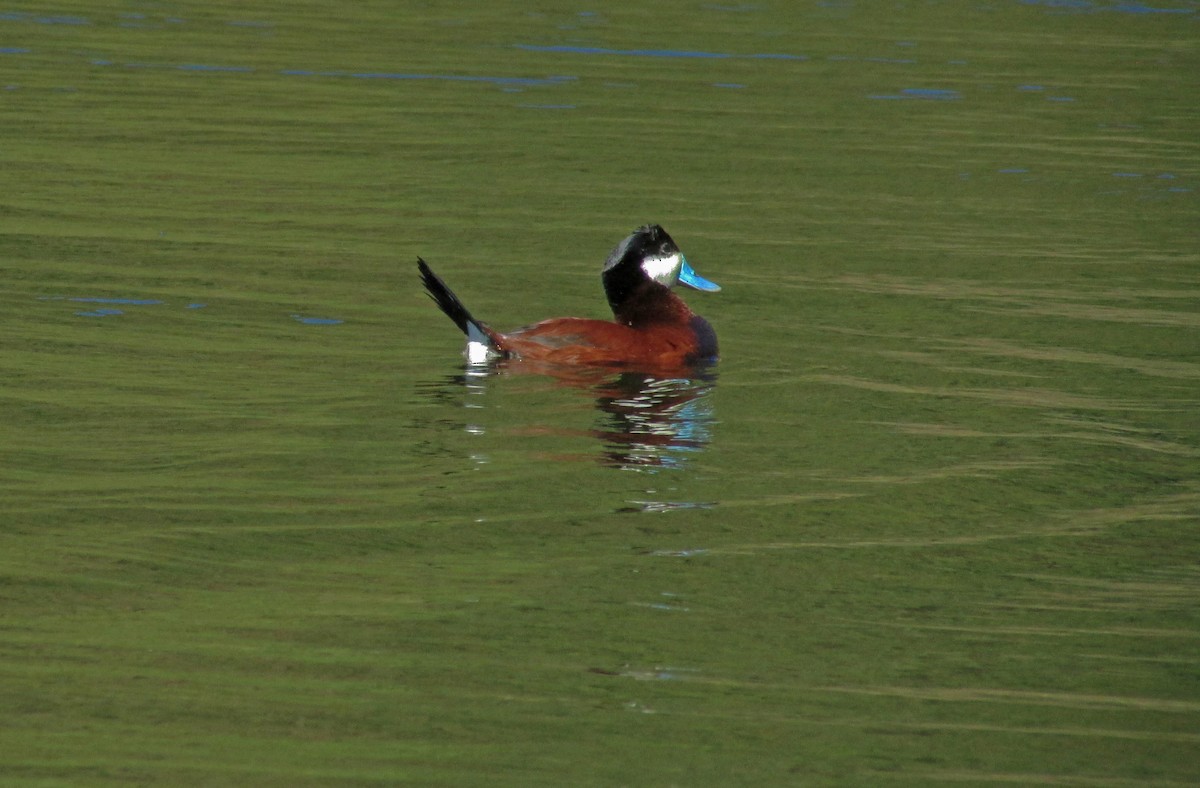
669	53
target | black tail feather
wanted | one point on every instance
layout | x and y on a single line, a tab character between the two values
444	297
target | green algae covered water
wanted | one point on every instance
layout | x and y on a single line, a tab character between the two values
931	520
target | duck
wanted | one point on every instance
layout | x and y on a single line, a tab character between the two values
652	328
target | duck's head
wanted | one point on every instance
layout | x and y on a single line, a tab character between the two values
648	254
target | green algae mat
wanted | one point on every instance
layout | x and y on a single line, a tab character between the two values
933	518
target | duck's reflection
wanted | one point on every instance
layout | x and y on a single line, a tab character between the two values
647	420
654	422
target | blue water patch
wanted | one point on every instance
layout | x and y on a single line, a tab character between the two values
317	321
125	301
936	94
100	312
926	94
140	21
195	306
1060	99
670	53
14	50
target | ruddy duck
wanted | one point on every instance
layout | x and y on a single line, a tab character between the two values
652	327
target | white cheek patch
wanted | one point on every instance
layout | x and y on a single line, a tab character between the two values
664	270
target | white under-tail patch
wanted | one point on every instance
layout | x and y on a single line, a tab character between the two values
664	270
478	353
479	346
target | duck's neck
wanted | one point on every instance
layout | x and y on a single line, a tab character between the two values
650	303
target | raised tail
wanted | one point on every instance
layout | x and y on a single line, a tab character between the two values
483	344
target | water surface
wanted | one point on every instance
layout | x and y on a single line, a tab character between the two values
931	519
